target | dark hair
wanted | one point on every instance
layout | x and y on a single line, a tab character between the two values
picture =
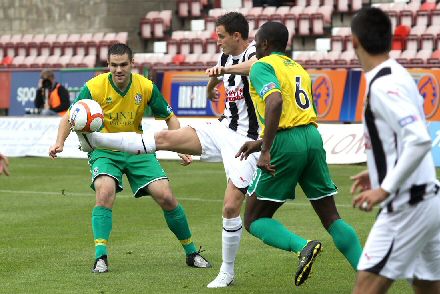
234	22
372	27
120	49
276	35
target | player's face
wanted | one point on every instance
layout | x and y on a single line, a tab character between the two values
228	43
120	67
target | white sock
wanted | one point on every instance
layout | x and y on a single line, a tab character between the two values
128	142
231	236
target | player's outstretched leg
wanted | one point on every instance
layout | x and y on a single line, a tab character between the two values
127	141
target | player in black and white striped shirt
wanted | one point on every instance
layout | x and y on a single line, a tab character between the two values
404	242
213	140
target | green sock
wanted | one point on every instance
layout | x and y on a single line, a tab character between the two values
275	234
101	226
347	241
178	224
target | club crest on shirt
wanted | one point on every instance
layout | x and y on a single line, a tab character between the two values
169	109
108	100
95	171
266	88
138	99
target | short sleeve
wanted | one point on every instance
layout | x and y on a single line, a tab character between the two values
159	106
84	93
263	79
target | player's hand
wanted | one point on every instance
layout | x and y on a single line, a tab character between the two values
361	182
54	149
249	148
368	199
213	95
264	162
215	71
186	159
4	165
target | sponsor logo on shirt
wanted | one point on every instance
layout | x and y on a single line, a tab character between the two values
407	120
267	88
138	99
234	95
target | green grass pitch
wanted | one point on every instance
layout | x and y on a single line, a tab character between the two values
46	243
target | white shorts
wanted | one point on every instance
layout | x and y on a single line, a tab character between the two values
221	144
405	244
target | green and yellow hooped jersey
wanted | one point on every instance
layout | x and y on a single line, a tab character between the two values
279	73
123	111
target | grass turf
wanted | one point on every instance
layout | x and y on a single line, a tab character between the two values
46	243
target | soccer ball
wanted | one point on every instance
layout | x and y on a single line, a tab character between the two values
86	116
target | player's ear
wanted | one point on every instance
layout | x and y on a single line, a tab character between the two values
355	41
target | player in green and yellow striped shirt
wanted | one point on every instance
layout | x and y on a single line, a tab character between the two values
291	152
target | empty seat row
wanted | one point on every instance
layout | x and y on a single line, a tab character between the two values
51	61
419	18
59	44
348	58
160	59
190	8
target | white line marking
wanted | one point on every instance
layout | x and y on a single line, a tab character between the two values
67	194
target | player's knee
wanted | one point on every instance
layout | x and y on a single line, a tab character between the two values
231	210
166	200
105	198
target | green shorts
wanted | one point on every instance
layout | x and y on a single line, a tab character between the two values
299	157
141	170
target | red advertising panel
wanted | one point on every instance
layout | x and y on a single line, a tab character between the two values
5	93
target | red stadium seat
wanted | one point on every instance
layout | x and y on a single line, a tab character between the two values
70	44
406	18
399	39
195	8
304	24
423	18
183	8
178	59
22	47
317	23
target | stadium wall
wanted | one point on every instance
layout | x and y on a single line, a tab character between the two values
78	16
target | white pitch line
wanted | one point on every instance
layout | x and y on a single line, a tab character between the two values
128	196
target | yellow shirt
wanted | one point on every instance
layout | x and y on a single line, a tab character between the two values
123	111
279	73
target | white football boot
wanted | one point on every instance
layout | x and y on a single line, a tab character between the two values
223	279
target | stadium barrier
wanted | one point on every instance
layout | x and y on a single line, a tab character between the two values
32	136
